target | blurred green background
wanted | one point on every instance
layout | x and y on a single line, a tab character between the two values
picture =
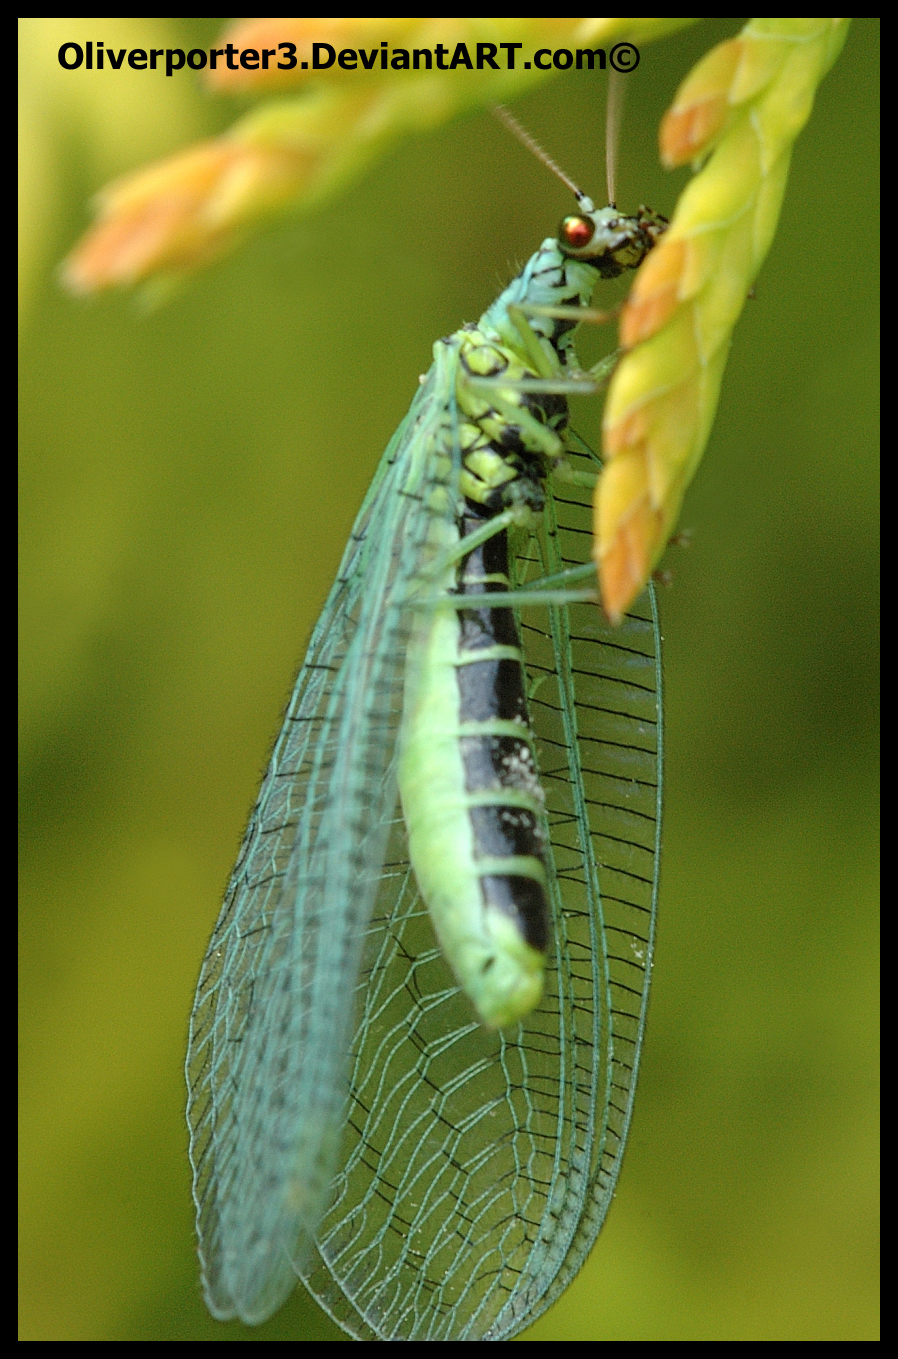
189	478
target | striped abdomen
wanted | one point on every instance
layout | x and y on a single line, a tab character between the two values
471	795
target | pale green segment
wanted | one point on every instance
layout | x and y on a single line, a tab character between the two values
500	972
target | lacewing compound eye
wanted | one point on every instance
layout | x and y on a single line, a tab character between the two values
576	232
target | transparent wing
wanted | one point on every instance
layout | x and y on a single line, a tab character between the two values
477	1167
274	1013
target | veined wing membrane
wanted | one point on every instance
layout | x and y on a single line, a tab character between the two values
274	1015
477	1166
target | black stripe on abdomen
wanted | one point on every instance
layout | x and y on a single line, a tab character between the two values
524	900
492	689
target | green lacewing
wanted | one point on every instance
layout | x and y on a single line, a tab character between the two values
414	1046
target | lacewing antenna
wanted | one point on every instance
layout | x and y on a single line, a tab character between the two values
613	117
533	146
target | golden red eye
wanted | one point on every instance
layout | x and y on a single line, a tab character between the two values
576	232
